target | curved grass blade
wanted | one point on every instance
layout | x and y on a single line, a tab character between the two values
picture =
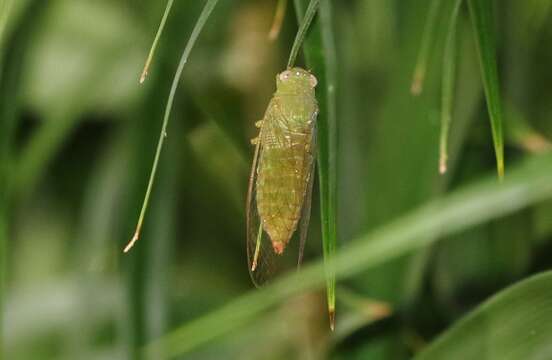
527	184
482	13
155	41
302	32
428	38
362	311
449	74
320	56
522	134
205	13
514	324
278	20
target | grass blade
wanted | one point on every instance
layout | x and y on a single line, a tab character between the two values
428	37
449	73
522	134
205	13
482	13
155	41
302	32
527	184
515	323
278	20
327	162
320	55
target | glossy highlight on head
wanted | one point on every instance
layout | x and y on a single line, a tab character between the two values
296	79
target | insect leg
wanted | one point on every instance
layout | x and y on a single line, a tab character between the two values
257	247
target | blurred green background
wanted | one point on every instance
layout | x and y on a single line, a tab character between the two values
78	135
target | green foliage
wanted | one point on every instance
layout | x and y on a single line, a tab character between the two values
507	326
470	206
428	265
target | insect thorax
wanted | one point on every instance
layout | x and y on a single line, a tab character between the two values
298	109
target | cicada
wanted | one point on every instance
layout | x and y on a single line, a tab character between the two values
280	185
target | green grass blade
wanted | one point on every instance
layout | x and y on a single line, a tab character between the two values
482	14
359	311
520	133
447	95
327	162
515	324
320	55
428	38
155	41
527	184
302	32
278	20
203	17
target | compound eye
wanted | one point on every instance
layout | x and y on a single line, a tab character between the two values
285	75
313	81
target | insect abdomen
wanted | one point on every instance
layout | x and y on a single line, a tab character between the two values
281	187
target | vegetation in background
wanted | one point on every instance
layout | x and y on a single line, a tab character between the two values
428	265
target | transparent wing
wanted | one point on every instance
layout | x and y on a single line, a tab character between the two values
263	263
259	266
306	211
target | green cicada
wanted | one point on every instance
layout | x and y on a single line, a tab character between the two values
280	185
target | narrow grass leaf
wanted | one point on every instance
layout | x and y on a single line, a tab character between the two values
516	323
155	41
428	38
482	14
362	312
521	133
302	32
278	20
448	83
321	58
327	165
203	17
527	184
